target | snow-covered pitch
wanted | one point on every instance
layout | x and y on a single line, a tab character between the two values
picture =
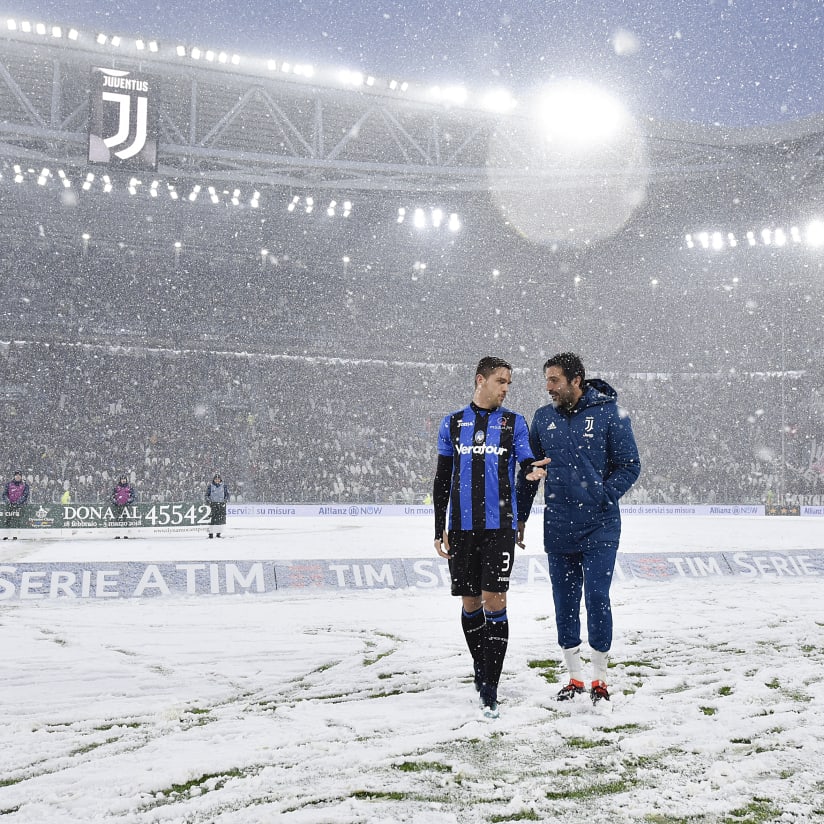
358	706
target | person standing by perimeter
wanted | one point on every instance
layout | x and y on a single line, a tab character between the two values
594	463
478	447
123	495
15	497
217	496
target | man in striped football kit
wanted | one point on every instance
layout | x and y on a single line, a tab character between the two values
478	447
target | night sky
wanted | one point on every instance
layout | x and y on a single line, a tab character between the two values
750	62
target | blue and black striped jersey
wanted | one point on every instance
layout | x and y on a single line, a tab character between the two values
484	446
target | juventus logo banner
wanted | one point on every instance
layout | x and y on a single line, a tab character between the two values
123	119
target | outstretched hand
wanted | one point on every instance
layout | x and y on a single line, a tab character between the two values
537	472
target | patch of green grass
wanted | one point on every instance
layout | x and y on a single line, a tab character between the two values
587	743
524	815
423	766
379	795
708	710
10	810
683	687
132	725
740	740
91	747
725	690
367	662
758	811
623	728
798	695
548	668
641	663
591	791
219	778
774	684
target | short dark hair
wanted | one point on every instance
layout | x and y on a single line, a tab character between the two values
569	363
486	366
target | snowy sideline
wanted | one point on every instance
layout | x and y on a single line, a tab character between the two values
358	706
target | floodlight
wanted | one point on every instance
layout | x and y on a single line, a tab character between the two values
717	241
419	219
40	28
26	26
815	233
351	78
11	25
751	238
210	55
499	101
455	94
766	236
780	237
102	39
56	31
181	51
731	239
116	40
437	217
272	65
73	34
575	113
195	53
454	224
153	47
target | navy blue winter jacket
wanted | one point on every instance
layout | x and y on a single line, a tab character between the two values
594	462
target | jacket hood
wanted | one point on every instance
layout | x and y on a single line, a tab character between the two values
598	391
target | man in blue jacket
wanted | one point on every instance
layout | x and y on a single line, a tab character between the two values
594	462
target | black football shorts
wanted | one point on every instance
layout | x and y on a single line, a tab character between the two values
481	560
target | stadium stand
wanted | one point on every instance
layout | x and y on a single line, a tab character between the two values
309	356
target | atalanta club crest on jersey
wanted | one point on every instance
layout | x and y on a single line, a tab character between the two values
479	436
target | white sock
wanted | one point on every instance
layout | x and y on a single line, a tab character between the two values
599	666
572	657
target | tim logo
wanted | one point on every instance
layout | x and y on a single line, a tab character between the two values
122	123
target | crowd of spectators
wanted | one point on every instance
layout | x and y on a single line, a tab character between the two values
284	428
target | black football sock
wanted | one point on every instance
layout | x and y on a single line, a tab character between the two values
496	640
473	624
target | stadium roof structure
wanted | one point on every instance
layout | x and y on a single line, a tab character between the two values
237	120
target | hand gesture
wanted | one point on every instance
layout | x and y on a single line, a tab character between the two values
537	472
